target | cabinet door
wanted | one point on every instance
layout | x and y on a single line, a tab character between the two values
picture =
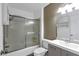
67	53
53	51
63	52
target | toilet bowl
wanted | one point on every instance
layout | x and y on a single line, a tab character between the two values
40	51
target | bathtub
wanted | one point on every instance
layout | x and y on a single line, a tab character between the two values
22	52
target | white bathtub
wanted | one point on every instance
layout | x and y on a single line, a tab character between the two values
23	52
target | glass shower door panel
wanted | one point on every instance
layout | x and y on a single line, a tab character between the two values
32	33
29	34
36	29
16	36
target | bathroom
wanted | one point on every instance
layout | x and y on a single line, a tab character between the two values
21	28
28	29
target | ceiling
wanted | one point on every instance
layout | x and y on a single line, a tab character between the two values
30	7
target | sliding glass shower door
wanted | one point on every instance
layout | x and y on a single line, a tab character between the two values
21	33
32	32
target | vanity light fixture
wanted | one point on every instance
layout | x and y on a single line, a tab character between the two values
68	8
76	5
61	10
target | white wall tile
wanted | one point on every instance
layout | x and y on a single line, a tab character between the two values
1	29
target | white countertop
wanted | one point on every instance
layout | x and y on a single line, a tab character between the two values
72	47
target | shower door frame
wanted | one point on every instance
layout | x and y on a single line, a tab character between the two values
4	52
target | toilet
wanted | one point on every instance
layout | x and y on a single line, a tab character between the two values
40	51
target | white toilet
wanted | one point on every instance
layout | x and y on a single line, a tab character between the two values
40	51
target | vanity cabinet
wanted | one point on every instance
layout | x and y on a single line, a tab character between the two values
53	51
67	53
56	51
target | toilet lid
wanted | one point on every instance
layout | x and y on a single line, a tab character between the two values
40	50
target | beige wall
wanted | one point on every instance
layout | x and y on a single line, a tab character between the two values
50	30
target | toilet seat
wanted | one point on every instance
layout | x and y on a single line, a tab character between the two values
40	51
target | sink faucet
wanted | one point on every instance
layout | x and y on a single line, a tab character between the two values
69	39
71	35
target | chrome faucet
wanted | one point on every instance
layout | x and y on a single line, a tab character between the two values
70	37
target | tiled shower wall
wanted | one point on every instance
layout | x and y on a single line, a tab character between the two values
71	29
63	29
